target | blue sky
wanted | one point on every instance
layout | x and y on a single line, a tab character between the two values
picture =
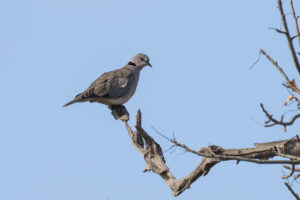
200	88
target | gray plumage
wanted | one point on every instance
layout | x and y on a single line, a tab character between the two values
115	87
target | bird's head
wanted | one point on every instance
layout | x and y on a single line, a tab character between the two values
140	60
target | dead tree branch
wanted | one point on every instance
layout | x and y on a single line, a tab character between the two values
275	121
261	153
155	161
290	174
276	65
287	167
288	36
292	191
296	21
277	30
289	84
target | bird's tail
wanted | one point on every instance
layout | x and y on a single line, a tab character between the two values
69	103
76	99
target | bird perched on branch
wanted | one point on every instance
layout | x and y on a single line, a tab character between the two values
115	87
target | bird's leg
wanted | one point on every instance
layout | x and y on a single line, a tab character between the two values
119	112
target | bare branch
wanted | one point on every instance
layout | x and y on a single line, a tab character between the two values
292	191
260	154
287	167
212	155
288	156
295	36
277	30
296	176
288	36
290	174
276	122
296	21
276	65
259	54
289	83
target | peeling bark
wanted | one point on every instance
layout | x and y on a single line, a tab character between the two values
212	155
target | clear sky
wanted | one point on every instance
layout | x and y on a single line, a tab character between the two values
200	88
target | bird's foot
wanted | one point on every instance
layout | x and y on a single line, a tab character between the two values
119	112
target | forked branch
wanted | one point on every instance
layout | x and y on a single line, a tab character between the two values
261	153
289	84
212	155
296	21
272	121
288	36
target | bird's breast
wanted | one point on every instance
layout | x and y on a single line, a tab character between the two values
132	88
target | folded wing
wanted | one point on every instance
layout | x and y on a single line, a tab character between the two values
112	84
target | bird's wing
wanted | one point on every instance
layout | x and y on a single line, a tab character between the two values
112	84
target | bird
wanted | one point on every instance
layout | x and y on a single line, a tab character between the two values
115	87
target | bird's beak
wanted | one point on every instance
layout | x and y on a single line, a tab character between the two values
149	64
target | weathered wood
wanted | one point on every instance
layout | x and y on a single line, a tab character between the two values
212	155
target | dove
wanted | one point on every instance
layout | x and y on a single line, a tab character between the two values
115	87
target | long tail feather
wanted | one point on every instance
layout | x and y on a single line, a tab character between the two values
71	102
76	99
